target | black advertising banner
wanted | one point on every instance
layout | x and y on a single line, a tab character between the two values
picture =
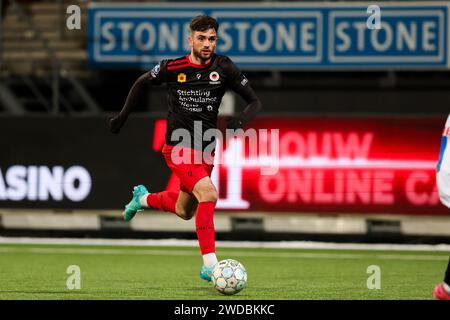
75	162
313	164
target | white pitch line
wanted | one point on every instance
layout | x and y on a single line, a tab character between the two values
227	244
157	252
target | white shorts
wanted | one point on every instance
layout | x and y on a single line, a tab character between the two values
443	184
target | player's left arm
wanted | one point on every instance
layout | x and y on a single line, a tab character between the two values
240	84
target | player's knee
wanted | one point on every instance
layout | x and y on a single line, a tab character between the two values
187	216
208	194
189	213
183	213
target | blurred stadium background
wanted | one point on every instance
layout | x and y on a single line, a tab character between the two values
360	119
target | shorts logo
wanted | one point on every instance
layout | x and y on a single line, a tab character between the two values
181	77
214	76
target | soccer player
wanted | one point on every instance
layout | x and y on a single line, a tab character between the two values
442	290
196	84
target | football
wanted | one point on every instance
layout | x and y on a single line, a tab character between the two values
229	277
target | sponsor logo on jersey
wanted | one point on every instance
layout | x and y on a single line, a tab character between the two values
244	81
181	77
209	107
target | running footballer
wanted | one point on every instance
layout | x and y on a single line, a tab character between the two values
196	84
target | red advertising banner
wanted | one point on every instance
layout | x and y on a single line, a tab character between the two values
330	165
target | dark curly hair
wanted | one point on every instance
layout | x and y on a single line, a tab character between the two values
203	23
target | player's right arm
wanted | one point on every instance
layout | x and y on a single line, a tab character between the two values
154	77
239	84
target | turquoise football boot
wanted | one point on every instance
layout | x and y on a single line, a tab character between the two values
134	206
206	273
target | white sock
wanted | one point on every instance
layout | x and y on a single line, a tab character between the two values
447	288
143	200
209	259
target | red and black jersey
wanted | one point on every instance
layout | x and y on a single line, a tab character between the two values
194	96
195	93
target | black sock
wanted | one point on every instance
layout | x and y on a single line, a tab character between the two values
447	274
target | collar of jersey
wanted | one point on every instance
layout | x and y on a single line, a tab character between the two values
199	66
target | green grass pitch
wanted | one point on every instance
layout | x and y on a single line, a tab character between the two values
118	272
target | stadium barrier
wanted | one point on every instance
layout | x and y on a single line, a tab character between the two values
229	226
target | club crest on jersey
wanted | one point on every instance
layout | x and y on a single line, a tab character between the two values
181	77
214	77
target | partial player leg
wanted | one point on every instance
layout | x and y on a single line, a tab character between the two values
178	201
134	206
195	179
206	194
447	275
186	205
442	290
165	201
181	203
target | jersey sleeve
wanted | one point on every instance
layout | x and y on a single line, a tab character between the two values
239	84
157	75
235	78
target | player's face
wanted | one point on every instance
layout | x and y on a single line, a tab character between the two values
203	43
